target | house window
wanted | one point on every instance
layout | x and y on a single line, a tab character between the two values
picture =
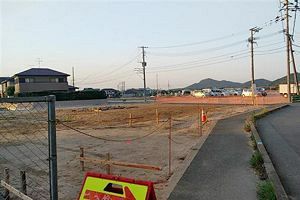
21	80
61	80
29	80
53	80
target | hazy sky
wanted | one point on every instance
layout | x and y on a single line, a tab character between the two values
100	39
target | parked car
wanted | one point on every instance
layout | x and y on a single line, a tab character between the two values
247	93
186	92
199	93
219	92
261	92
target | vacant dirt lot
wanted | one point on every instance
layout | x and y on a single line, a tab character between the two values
102	130
112	123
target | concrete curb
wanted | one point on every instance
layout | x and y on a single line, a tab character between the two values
271	172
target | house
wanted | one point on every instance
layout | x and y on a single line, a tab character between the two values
72	88
40	80
137	92
6	82
110	92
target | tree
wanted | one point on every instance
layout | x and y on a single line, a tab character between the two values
10	91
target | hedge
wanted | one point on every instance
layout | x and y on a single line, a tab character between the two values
67	96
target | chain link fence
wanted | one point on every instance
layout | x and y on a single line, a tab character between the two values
28	148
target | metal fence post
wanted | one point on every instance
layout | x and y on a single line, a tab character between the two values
52	147
23	182
6	174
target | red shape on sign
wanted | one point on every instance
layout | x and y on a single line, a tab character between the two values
93	195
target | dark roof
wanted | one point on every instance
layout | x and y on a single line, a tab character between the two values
4	79
11	79
41	72
71	87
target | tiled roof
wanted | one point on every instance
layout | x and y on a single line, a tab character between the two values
4	79
41	72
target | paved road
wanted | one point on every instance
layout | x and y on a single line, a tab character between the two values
221	168
280	133
97	102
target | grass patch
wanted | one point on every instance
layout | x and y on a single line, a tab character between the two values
257	163
253	142
256	160
266	191
261	114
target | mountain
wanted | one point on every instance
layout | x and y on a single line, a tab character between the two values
282	80
258	82
211	83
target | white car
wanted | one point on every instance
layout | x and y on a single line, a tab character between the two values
199	93
247	93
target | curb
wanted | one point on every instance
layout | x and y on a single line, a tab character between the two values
271	172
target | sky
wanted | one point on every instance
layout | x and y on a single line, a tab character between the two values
187	40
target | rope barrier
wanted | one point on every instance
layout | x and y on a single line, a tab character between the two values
110	140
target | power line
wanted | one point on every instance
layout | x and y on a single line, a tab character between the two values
113	71
197	43
230	55
198	66
199	51
191	53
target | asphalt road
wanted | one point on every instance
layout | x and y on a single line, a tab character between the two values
280	133
98	102
221	168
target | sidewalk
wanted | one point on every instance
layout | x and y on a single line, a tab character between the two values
221	168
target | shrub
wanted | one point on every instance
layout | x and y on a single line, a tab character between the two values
10	91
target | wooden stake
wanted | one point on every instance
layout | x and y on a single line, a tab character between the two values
6	175
82	156
157	116
130	120
23	182
170	144
108	169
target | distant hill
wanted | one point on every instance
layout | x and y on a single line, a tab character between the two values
211	83
283	80
258	82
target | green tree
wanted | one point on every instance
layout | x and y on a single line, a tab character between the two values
10	91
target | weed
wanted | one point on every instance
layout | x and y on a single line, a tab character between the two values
256	160
247	127
266	191
253	142
257	163
67	118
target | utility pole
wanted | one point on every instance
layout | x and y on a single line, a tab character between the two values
287	32
251	40
73	78
295	69
144	64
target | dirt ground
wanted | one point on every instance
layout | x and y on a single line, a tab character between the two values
106	129
112	123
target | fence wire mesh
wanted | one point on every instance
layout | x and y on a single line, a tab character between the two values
24	147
